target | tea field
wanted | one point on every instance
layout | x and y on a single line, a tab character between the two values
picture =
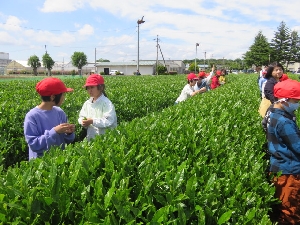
198	162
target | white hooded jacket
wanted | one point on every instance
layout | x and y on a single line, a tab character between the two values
103	113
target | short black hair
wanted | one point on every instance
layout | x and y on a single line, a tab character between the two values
56	98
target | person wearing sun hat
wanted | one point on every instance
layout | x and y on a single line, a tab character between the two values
188	89
98	112
283	138
46	125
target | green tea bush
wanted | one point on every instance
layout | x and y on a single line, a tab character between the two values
198	162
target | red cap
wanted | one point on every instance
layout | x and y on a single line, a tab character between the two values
287	89
284	77
218	72
202	74
51	86
192	76
94	80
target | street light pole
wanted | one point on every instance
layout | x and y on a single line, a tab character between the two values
197	44
204	61
138	57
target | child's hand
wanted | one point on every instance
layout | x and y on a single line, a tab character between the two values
71	129
64	128
87	121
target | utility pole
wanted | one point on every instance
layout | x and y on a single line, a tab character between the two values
95	62
138	57
204	61
63	65
156	55
46	66
197	44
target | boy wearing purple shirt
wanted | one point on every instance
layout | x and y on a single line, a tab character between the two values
47	125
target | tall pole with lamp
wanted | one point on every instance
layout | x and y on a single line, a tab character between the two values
138	57
197	44
204	61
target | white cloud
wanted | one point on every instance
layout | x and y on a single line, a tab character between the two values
62	6
7	39
86	30
12	23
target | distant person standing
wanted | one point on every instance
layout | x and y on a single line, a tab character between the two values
222	79
261	84
215	80
273	75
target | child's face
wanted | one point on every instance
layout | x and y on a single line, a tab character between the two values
93	91
277	72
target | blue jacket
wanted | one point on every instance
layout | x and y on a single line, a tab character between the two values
283	142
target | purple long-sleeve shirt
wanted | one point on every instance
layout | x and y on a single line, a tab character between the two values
39	130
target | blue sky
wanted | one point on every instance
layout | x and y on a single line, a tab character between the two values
108	29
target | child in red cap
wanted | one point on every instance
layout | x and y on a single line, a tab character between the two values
188	89
215	80
97	113
204	81
283	138
46	125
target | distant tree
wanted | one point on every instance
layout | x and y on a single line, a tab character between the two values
294	48
34	63
102	60
280	44
79	59
258	53
236	64
161	69
48	62
192	67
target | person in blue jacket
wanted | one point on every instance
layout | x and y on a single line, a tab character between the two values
283	138
46	125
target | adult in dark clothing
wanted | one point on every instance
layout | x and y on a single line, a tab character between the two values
274	73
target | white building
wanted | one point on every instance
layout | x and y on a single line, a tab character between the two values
146	67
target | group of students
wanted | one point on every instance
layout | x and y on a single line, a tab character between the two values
283	142
201	83
46	125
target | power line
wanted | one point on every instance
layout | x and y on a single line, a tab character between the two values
71	31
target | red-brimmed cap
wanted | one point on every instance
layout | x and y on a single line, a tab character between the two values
287	89
51	86
202	74
94	80
218	72
192	76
